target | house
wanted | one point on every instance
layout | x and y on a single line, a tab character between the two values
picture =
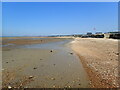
114	35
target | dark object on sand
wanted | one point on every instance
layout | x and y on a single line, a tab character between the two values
54	64
41	59
41	40
117	53
52	78
6	62
51	51
71	53
35	68
30	77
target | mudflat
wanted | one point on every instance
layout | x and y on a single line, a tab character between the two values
60	62
34	64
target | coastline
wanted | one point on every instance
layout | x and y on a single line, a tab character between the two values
98	56
100	60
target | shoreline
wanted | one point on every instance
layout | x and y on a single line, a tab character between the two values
49	65
99	57
98	60
10	42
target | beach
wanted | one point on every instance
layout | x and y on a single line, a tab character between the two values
99	57
49	62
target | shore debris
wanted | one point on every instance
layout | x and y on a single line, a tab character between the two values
6	62
117	53
35	68
52	78
54	86
9	87
51	50
41	59
54	64
71	53
30	77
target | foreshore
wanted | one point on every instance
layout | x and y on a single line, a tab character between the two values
47	64
100	59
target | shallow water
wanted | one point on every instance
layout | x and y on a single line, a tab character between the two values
58	68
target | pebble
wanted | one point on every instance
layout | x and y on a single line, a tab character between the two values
6	62
35	68
54	86
30	77
51	51
117	53
69	86
71	53
9	87
52	78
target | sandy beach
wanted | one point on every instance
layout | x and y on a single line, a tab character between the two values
51	64
100	59
60	63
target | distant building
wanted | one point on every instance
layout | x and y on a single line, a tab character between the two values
115	35
89	33
98	33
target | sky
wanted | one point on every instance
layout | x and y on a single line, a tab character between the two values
54	18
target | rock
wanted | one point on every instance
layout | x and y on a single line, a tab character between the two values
51	51
41	59
71	53
69	86
35	68
54	86
54	64
9	87
52	78
30	77
6	62
117	53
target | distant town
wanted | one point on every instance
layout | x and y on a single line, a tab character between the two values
114	35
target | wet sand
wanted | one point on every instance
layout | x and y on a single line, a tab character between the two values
100	59
42	65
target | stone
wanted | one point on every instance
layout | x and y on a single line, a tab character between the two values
9	87
30	77
53	78
35	68
117	53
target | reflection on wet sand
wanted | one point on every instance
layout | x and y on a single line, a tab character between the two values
47	65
